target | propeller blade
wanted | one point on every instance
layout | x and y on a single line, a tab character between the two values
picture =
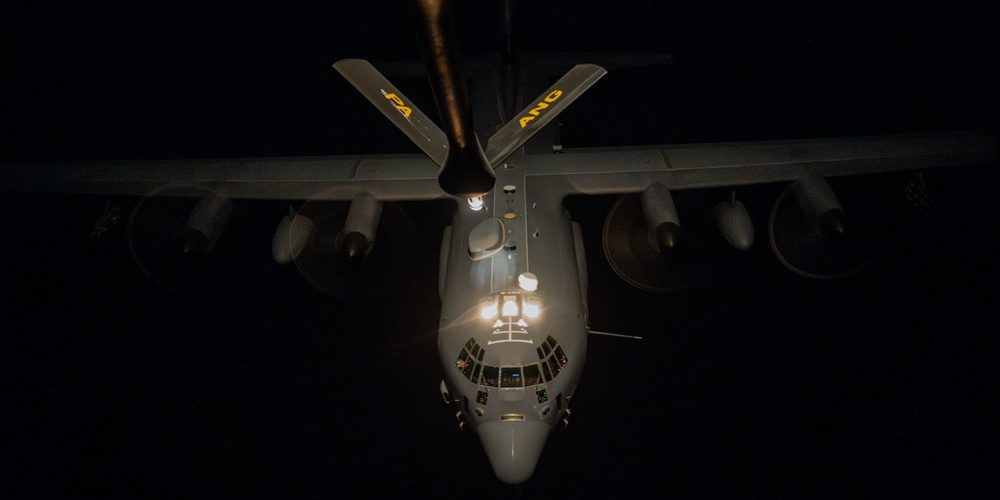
820	249
322	260
191	242
698	252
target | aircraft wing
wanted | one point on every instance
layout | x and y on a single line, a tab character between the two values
575	171
387	177
632	169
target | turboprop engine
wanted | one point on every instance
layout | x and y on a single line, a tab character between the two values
335	249
206	222
661	217
821	208
646	245
816	238
173	234
356	239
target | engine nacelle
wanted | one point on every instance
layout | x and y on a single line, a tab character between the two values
820	206
358	235
205	224
661	216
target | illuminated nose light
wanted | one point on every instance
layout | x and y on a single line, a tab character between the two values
530	310
509	306
488	311
528	281
476	203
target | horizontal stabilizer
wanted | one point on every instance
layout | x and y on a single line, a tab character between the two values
538	114
396	107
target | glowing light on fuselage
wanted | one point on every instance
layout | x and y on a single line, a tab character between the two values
489	311
476	203
509	306
528	282
530	310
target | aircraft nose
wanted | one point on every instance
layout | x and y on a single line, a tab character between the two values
513	447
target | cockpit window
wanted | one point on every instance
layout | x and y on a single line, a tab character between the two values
553	360
491	374
531	375
560	356
554	366
545	370
510	376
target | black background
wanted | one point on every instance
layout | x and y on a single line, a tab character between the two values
755	382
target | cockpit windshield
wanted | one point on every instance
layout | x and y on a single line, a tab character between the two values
510	376
551	357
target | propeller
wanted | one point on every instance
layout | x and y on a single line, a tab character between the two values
695	251
831	242
189	241
337	263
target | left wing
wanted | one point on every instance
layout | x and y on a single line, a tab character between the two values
387	177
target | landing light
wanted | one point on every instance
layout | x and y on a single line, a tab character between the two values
530	310
489	311
476	203
509	306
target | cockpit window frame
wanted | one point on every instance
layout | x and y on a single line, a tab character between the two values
552	358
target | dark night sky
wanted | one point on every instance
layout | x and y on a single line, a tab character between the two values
755	382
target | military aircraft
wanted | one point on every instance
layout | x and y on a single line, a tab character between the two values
513	279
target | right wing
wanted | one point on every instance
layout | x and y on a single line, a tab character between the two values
693	166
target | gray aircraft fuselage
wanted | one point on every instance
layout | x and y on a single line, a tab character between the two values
513	413
512	375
